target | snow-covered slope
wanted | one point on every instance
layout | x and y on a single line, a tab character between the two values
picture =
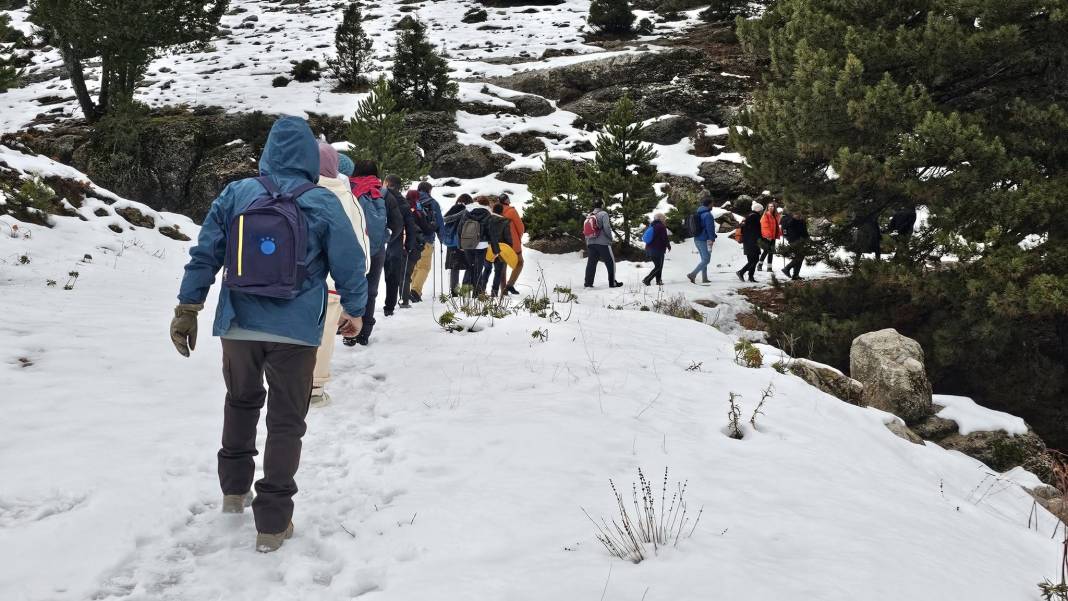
455	466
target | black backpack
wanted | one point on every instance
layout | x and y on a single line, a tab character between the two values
693	224
424	222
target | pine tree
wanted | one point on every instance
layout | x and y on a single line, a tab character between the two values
623	169
353	49
377	132
126	35
420	76
611	16
9	72
726	10
560	200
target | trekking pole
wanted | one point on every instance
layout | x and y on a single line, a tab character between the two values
433	273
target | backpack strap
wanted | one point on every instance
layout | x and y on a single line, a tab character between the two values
273	190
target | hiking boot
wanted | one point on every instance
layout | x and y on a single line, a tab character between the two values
645	282
387	312
415	297
362	340
404	305
786	272
348	341
236	503
616	285
760	267
740	275
692	277
587	285
320	398
704	280
751	279
266	543
659	283
512	290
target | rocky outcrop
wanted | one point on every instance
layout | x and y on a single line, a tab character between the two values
829	380
468	162
1003	451
434	130
899	429
532	106
527	142
890	366
725	179
668	130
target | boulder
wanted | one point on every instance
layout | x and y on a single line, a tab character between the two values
902	431
475	15
1052	500
516	175
434	130
725	179
532	106
935	428
890	366
829	380
1003	451
526	142
669	130
219	167
467	162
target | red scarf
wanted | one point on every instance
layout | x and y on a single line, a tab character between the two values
367	184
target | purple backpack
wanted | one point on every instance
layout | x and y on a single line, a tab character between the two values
267	244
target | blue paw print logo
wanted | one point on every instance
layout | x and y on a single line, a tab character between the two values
267	246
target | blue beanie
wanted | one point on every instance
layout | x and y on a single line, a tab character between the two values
345	165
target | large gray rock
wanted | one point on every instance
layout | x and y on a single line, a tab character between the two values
434	130
890	366
532	106
1003	451
902	431
725	179
668	130
467	162
526	142
829	380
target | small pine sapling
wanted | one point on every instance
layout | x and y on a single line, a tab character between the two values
734	415
747	354
765	396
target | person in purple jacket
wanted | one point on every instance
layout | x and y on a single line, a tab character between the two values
656	248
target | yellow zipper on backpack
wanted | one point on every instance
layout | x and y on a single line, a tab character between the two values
240	242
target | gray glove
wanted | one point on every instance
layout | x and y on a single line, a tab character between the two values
184	328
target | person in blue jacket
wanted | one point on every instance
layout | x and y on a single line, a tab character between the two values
269	336
704	240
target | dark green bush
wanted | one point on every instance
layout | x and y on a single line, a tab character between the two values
306	70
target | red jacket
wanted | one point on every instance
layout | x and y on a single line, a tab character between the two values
769	225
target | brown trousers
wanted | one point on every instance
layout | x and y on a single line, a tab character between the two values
288	368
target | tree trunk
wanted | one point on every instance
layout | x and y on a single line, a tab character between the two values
77	80
105	82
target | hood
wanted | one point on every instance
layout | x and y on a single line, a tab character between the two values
291	151
328	160
345	165
423	196
366	184
703	209
412	197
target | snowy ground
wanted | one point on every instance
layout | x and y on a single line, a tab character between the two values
454	466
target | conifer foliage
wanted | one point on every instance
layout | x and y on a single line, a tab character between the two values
377	132
420	76
622	169
9	73
611	16
353	48
126	35
560	199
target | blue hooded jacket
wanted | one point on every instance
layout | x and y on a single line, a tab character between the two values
708	225
290	158
425	199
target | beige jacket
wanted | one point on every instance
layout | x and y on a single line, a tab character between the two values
340	187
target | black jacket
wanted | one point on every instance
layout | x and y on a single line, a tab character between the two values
487	233
903	222
751	233
796	229
401	225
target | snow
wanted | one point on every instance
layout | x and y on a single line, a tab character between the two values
971	417
454	466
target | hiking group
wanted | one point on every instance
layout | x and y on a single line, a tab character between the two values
302	249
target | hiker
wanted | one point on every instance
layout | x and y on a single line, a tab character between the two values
502	227
703	228
770	232
902	225
450	239
597	230
270	325
429	207
795	231
426	228
750	234
367	189
332	180
475	238
403	248
657	245
518	229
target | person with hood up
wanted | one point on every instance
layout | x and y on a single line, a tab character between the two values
704	239
331	179
656	248
404	246
751	242
770	232
429	207
599	246
518	229
367	189
272	337
455	261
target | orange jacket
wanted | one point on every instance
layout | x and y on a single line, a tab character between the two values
518	228
769	226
